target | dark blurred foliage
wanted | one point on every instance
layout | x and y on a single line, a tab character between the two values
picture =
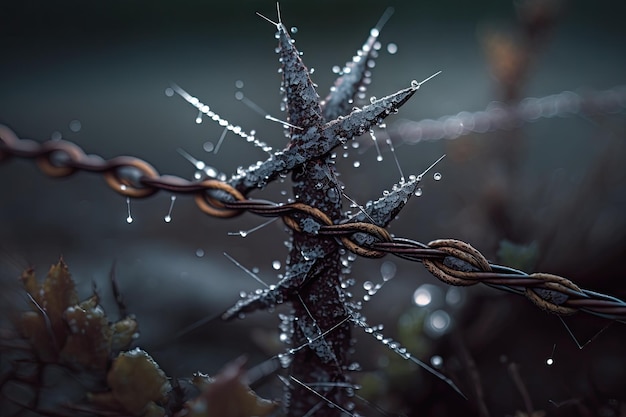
557	186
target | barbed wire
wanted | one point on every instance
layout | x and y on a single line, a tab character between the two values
452	261
503	116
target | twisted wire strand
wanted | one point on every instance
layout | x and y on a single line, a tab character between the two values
452	261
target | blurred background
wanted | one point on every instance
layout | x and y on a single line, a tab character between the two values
545	196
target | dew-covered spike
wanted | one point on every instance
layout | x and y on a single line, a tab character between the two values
363	119
337	102
303	107
386	208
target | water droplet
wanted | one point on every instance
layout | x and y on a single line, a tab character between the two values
356	164
415	84
372	99
75	125
355	366
243	294
438	322
293	29
199	118
418	191
436	361
379	158
168	216
422	296
239	84
283	337
208	146
129	219
437	176
169	92
549	361
276	265
199	252
392	48
255	270
388	270
454	296
368	285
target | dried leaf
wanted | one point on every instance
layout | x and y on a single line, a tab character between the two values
31	285
59	292
226	395
124	332
34	328
45	326
137	385
89	342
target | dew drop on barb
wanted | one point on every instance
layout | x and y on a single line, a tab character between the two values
388	270
199	252
129	219
276	265
168	216
437	176
418	191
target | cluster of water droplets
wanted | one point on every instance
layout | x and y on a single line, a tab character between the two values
205	110
388	271
438	304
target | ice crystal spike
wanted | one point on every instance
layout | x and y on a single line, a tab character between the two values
338	101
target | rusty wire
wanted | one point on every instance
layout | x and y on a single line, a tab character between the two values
452	261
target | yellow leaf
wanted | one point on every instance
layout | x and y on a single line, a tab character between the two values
123	333
136	383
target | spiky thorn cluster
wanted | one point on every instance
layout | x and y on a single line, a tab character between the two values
312	281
